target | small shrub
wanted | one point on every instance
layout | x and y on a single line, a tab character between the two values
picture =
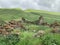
9	39
49	41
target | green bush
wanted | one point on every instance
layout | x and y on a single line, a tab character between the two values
49	41
9	39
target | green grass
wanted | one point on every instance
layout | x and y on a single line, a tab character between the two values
32	15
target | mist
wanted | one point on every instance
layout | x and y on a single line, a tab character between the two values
50	5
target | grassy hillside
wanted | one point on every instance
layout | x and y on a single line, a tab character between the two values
43	11
8	14
26	37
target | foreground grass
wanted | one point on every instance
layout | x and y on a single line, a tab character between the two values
27	39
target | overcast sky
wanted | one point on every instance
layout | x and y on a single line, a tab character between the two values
51	5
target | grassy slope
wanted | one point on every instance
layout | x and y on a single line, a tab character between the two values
9	14
49	16
44	11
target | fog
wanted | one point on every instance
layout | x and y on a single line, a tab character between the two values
50	5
